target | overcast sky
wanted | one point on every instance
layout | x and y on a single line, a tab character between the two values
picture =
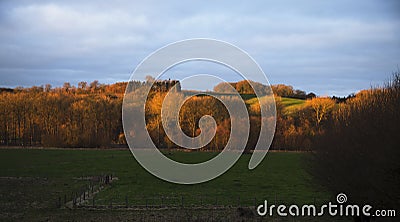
328	47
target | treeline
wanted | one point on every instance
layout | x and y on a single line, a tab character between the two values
242	87
89	115
250	87
86	115
283	90
61	117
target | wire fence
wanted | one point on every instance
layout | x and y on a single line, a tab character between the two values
162	202
83	194
86	197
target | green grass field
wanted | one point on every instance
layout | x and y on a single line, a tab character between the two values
288	102
33	179
291	104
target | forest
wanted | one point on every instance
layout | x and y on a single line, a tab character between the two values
89	114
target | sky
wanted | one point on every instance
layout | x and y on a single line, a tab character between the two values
326	47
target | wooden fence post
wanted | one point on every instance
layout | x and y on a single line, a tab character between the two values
182	201
73	201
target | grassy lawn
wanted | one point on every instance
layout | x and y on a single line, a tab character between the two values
32	180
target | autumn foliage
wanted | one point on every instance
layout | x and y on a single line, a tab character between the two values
89	115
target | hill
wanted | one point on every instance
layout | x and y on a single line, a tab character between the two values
291	104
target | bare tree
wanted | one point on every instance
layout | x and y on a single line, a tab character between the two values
321	106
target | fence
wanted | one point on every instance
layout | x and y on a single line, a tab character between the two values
77	198
86	197
170	202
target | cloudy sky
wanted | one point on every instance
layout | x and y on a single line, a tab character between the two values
328	47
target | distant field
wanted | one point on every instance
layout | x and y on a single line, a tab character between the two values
191	93
291	104
31	181
288	102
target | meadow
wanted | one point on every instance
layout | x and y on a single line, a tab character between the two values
32	180
291	105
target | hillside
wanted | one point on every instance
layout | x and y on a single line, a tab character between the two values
289	104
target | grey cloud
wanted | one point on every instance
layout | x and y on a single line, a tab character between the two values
327	47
